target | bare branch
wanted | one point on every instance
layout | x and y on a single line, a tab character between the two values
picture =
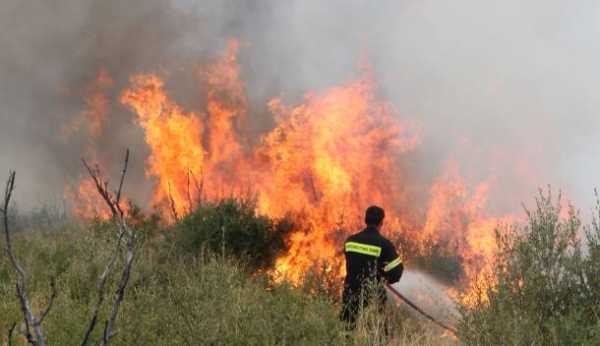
120	293
11	330
189	195
123	172
199	186
10	186
31	322
26	313
101	292
50	301
173	205
124	232
101	186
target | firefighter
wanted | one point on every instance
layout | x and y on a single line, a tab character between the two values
370	259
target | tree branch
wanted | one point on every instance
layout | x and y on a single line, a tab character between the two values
50	301
123	172
120	293
101	186
101	292
26	314
199	187
10	186
124	232
31	321
10	333
173	205
189	194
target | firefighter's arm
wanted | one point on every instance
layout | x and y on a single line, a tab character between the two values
392	264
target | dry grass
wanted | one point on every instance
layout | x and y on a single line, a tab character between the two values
177	299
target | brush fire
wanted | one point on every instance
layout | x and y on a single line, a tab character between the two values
310	172
323	161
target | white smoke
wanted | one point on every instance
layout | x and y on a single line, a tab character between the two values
428	294
507	88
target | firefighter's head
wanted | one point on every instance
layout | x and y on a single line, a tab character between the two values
374	216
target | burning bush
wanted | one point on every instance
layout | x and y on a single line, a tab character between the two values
547	289
231	227
439	261
322	158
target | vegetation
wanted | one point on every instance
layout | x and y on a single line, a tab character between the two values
180	294
205	280
232	227
548	283
443	264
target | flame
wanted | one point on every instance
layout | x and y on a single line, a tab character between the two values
178	156
328	159
324	161
174	137
456	217
85	201
97	107
82	195
226	115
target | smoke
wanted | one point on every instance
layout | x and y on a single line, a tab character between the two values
506	89
428	294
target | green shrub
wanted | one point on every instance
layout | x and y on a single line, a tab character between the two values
547	290
205	299
232	228
186	300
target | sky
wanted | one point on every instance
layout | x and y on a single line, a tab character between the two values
505	88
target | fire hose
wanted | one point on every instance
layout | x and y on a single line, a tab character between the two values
419	310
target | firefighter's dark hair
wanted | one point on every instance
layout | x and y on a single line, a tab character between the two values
374	215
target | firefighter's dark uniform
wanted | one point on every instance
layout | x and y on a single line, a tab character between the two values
370	257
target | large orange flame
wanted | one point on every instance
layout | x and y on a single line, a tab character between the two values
326	159
329	159
174	137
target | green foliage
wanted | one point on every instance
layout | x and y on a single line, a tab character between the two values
218	304
547	290
175	298
232	228
183	300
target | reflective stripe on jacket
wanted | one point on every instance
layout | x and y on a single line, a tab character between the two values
369	255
